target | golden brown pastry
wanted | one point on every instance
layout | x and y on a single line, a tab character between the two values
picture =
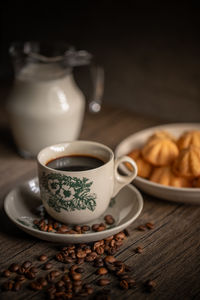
187	163
162	134
165	176
189	138
144	168
160	151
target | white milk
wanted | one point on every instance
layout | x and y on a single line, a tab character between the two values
46	107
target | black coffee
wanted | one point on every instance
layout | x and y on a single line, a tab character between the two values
75	163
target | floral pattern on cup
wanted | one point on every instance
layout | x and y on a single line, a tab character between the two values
68	193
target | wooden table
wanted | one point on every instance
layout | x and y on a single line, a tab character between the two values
171	253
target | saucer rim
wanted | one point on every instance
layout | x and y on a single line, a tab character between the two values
77	236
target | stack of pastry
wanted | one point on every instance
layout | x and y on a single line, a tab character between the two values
168	161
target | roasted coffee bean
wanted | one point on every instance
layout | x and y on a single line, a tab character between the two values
120	269
42	281
80	270
77	228
109	219
73	268
120	236
150	225
17	286
33	270
8	285
80	261
124	284
102	271
90	290
109	259
27	264
85	228
60	283
103	281
141	228
48	266
76	276
101	227
99	262
81	253
139	249
43	257
21	270
30	275
6	273
100	250
14	267
35	286
20	278
150	285
68	260
66	278
91	256
63	229
95	227
131	282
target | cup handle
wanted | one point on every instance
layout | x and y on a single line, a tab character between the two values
121	180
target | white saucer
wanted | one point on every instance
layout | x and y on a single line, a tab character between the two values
137	140
23	205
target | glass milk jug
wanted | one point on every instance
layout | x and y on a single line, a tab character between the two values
46	106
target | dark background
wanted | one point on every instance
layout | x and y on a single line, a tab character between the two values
151	55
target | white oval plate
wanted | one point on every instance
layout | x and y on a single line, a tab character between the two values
23	205
137	140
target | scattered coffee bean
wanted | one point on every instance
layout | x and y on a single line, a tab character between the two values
85	228
6	273
150	285
103	281
14	267
42	281
35	286
20	278
43	257
63	229
27	264
21	270
33	270
48	266
110	259
109	219
124	284
141	228
95	227
150	225
139	249
76	276
30	275
102	271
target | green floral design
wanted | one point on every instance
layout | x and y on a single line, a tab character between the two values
66	192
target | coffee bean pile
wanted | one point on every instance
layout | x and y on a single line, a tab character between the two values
48	224
68	282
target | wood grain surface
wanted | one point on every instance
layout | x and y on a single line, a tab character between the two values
171	254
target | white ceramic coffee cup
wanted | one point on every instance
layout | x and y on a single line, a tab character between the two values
77	197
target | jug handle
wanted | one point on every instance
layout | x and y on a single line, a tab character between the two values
97	73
